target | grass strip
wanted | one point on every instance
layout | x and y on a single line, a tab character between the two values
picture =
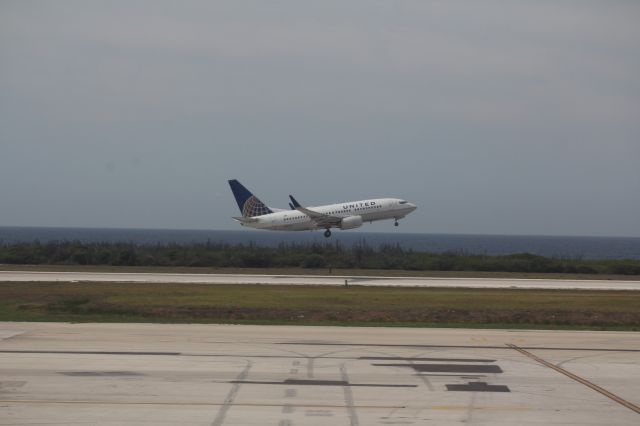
320	305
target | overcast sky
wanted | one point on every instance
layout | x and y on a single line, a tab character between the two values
494	117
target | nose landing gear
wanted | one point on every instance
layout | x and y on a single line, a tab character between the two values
327	233
396	223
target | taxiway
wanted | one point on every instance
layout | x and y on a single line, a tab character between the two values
218	375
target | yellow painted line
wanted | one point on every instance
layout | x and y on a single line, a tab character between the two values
579	379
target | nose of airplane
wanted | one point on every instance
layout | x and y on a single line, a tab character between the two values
413	206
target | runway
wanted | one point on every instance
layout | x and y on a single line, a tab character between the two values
107	374
319	280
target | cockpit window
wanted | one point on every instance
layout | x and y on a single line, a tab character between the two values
403	202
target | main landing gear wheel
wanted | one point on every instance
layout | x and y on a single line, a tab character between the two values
327	233
396	224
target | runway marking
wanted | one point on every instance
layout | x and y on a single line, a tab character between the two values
578	379
310	362
318	413
99	373
18	351
228	401
348	397
296	363
297	382
451	375
212	404
477	387
448	368
483	408
7	384
400	358
409	345
424	379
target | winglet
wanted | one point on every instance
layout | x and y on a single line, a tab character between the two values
322	220
311	213
296	204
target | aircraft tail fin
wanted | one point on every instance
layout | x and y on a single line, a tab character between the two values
294	202
249	204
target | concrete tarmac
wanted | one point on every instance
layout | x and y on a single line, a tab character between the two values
162	374
318	280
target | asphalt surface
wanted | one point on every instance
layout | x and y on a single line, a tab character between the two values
27	276
163	374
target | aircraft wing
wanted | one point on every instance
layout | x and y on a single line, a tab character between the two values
321	219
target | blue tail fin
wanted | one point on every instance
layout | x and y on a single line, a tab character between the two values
248	203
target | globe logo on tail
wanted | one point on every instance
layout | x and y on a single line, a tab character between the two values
254	207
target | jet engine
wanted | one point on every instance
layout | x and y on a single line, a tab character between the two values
351	222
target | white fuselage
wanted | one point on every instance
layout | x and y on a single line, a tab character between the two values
369	210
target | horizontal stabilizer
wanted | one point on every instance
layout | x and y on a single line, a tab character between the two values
245	219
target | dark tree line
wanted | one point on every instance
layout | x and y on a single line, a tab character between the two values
359	256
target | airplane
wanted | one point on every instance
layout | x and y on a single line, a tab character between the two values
349	215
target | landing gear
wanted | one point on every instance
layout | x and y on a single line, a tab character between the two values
396	224
327	233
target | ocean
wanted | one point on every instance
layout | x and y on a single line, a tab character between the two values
550	246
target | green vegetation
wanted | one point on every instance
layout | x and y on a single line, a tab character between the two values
314	305
307	256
